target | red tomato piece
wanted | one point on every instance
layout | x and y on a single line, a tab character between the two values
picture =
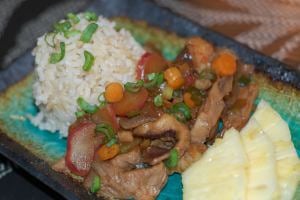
150	63
106	115
131	102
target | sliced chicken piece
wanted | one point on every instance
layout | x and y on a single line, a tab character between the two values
211	111
165	124
122	179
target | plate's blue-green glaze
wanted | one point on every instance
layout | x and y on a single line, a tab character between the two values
17	103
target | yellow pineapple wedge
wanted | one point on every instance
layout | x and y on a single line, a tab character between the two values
288	164
220	173
262	179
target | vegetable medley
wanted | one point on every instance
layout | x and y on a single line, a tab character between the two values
162	123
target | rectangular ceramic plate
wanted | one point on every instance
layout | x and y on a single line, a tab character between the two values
36	150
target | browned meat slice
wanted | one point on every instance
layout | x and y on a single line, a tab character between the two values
121	178
237	114
166	124
130	123
125	136
211	111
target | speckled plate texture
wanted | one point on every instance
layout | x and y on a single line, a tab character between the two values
36	150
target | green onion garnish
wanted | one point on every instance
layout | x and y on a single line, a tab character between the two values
47	37
88	32
88	61
244	81
108	131
167	92
79	113
173	159
73	18
56	57
181	111
134	87
155	79
158	101
207	74
90	16
62	26
96	184
85	106
71	33
101	100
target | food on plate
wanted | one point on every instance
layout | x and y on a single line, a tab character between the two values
79	58
270	169
131	117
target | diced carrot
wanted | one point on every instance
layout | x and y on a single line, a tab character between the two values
225	64
106	152
187	98
174	78
113	92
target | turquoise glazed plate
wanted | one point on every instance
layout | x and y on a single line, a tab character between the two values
36	150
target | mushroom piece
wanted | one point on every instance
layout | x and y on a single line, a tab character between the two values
165	128
122	177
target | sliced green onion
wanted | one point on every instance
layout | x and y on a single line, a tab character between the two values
181	111
71	33
62	26
88	32
46	38
134	87
56	57
173	159
90	16
85	106
79	113
101	100
167	92
177	93
73	18
108	131
207	74
96	184
158	101
244	81
88	61
155	79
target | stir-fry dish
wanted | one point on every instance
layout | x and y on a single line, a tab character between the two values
142	131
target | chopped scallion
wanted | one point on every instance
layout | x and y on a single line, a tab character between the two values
62	26
73	18
101	100
96	184
173	159
71	33
244	81
85	106
134	87
181	111
79	113
158	101
88	32
108	131
56	57
167	92
207	74
90	16
50	36
88	61
155	79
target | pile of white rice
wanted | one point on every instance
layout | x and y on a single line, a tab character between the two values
57	86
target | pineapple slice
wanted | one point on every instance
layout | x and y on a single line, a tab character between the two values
288	164
262	179
220	173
